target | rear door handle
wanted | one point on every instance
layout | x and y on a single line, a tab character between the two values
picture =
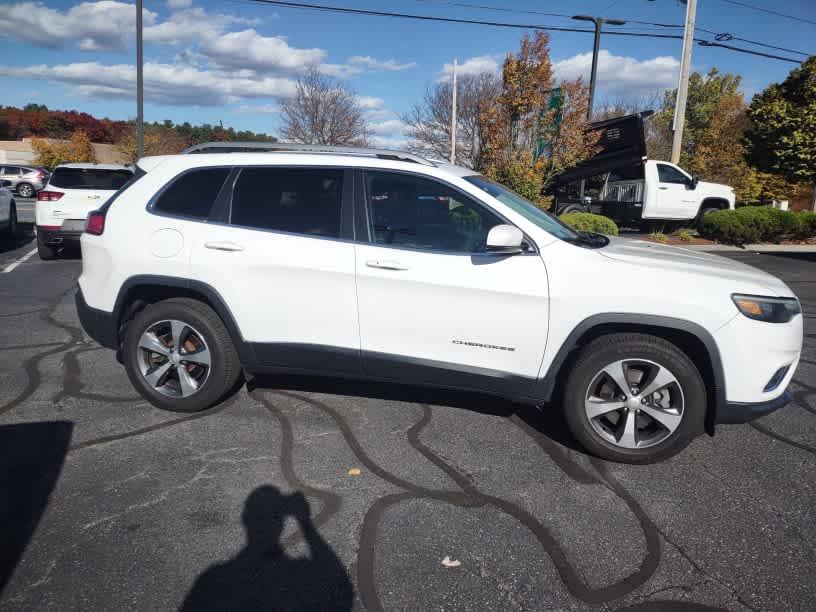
386	264
223	245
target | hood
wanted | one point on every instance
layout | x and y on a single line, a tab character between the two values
725	191
741	277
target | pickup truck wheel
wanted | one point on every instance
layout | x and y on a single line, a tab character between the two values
179	356
571	208
634	398
704	212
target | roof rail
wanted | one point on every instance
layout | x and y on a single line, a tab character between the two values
279	147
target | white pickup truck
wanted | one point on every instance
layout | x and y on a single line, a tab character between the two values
622	184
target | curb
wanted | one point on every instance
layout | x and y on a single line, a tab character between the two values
756	248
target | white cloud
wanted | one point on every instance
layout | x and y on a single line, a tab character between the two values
389	127
179	4
340	71
374	64
106	25
164	83
473	66
621	76
248	49
261	108
194	25
368	102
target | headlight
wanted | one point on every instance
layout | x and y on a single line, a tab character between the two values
768	309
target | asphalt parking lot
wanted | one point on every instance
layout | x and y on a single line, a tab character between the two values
306	493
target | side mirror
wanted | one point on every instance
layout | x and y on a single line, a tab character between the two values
694	181
504	240
5	183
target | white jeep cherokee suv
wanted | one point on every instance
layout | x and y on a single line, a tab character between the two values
383	265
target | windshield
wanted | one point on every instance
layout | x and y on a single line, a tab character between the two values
524	207
90	178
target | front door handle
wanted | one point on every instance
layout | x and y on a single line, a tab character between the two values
223	245
663	188
386	264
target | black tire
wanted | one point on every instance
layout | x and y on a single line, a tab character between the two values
606	350
26	190
572	208
225	367
13	228
703	212
44	250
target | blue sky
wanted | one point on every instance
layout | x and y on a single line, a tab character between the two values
232	60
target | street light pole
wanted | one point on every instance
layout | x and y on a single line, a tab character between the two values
598	22
139	83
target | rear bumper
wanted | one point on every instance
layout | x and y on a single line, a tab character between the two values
98	324
54	236
737	412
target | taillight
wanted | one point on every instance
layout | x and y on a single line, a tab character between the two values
95	224
49	196
39	174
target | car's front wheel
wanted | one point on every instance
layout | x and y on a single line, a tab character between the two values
634	398
179	356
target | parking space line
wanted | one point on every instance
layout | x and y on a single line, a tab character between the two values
17	262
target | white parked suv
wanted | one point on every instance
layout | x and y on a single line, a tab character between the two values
383	265
73	190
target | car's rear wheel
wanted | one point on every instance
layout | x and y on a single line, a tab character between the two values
634	398
25	190
45	250
179	356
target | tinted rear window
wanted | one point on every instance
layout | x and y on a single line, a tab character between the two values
296	200
192	194
89	178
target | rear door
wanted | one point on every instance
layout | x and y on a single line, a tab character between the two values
435	307
280	257
83	190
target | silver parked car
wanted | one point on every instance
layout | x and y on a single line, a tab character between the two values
25	180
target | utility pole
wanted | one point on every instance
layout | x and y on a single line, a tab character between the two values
598	21
139	83
682	88
453	117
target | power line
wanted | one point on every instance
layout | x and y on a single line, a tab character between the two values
768	11
725	35
499	24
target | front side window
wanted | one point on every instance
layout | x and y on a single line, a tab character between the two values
419	213
192	194
669	174
297	200
524	207
89	178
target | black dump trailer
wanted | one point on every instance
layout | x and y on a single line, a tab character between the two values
610	183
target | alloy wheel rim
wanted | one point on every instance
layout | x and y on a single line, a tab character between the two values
634	403
26	191
174	358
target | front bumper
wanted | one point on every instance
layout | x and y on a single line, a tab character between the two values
738	412
98	324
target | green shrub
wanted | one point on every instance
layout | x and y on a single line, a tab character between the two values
757	224
589	222
658	236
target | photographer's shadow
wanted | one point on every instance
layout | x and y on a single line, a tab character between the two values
262	576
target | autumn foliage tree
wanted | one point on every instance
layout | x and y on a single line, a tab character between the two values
51	154
533	131
782	134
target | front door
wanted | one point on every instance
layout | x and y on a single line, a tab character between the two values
279	261
434	306
674	197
